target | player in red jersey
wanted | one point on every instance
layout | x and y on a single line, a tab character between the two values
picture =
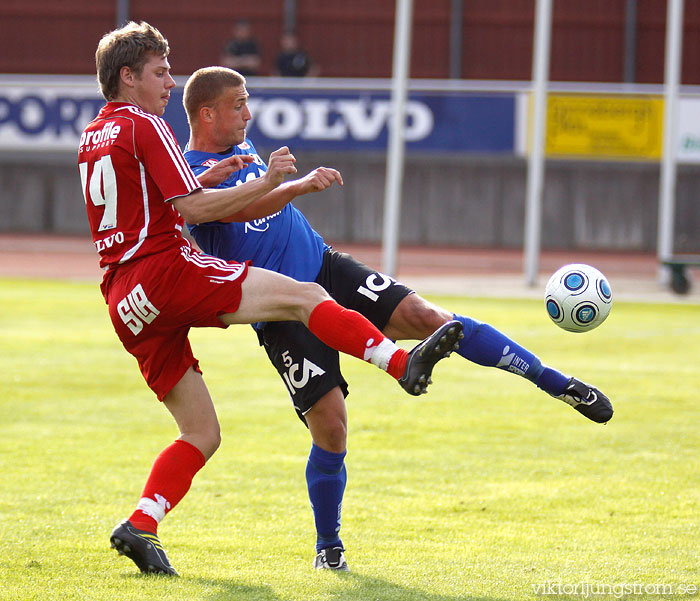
138	188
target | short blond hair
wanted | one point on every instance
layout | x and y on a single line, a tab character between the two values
129	46
205	86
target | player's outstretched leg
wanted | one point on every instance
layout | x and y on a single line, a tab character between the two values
485	345
587	400
143	548
350	332
423	357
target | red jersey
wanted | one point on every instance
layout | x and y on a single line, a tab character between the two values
130	167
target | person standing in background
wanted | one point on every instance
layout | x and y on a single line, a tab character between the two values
242	52
293	60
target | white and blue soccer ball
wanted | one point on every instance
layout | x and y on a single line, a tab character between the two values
578	297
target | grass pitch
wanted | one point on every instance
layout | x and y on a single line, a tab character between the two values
484	490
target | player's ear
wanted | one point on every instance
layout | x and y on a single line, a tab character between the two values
127	76
206	114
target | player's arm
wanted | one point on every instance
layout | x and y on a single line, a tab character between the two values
221	171
204	205
319	179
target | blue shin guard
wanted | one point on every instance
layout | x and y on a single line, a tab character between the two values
326	477
485	345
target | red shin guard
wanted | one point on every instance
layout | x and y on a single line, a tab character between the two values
397	363
344	329
168	482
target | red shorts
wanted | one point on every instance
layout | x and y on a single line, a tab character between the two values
155	301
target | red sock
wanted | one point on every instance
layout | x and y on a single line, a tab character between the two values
343	329
349	332
397	363
169	481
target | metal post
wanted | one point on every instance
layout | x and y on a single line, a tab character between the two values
122	10
290	15
535	164
397	125
456	40
667	191
629	66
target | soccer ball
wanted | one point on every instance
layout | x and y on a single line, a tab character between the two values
578	297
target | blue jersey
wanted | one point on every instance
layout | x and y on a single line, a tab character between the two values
284	242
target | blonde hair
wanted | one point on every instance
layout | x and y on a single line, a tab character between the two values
129	46
205	86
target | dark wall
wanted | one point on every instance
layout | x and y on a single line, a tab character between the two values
354	39
451	201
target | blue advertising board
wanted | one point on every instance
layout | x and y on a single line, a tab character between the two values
357	121
49	114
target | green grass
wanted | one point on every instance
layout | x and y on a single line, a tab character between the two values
481	490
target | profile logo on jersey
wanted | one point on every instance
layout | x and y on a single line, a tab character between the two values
100	137
209	163
244	146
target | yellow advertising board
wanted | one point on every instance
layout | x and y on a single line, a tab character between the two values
609	127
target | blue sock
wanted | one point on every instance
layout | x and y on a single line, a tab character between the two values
326	477
485	345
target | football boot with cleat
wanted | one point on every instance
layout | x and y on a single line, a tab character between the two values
587	400
423	357
331	558
143	548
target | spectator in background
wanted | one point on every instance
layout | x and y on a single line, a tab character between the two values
241	52
292	60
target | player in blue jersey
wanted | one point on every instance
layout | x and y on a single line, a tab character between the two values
273	234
